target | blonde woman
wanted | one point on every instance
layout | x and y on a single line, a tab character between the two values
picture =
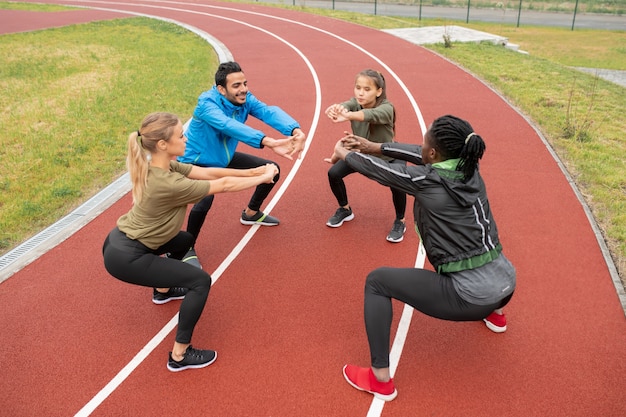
162	188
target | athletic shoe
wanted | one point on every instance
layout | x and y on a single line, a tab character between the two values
363	379
397	232
192	259
259	218
340	216
496	322
175	293
193	359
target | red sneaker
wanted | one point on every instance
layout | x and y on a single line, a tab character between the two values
363	379
496	322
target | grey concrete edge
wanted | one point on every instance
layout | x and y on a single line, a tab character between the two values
619	286
28	251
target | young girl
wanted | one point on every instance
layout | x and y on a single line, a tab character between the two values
162	188
371	116
472	280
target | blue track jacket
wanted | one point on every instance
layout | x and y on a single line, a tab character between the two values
218	126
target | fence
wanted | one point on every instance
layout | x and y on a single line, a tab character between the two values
589	14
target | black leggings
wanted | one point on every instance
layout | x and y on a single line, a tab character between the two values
425	291
240	160
341	169
130	261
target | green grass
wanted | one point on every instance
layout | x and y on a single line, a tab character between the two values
73	95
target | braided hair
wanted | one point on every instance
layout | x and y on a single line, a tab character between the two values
453	137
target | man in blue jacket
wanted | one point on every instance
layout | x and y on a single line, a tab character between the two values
217	127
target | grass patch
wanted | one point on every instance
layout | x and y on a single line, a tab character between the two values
36	7
71	96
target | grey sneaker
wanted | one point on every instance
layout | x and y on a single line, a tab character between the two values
340	216
259	218
176	293
192	259
397	232
193	359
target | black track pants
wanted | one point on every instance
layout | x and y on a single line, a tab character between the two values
240	160
341	169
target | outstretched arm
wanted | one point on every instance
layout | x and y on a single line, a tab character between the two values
232	184
202	173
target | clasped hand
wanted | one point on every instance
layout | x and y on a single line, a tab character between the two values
347	144
268	171
289	146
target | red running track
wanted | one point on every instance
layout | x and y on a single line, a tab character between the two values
286	313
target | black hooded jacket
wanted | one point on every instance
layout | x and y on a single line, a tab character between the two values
452	216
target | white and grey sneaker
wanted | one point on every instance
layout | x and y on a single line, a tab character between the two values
397	232
340	216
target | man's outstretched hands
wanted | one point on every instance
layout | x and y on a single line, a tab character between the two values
289	146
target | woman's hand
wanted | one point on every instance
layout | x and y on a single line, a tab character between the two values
269	172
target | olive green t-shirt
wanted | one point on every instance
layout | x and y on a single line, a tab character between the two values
160	214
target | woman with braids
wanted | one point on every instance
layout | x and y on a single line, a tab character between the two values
162	188
373	117
472	280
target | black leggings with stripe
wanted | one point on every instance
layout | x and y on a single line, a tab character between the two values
130	261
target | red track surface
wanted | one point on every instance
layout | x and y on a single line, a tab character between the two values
286	314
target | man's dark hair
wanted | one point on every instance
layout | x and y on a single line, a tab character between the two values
223	70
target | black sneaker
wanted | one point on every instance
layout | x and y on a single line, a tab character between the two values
259	218
397	232
193	359
192	259
176	293
340	216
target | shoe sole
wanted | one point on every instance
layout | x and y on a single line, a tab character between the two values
400	239
384	397
252	223
347	219
392	240
493	327
184	368
160	302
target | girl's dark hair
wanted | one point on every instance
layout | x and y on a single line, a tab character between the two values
223	70
453	137
379	81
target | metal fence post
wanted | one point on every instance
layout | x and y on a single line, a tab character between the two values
574	19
